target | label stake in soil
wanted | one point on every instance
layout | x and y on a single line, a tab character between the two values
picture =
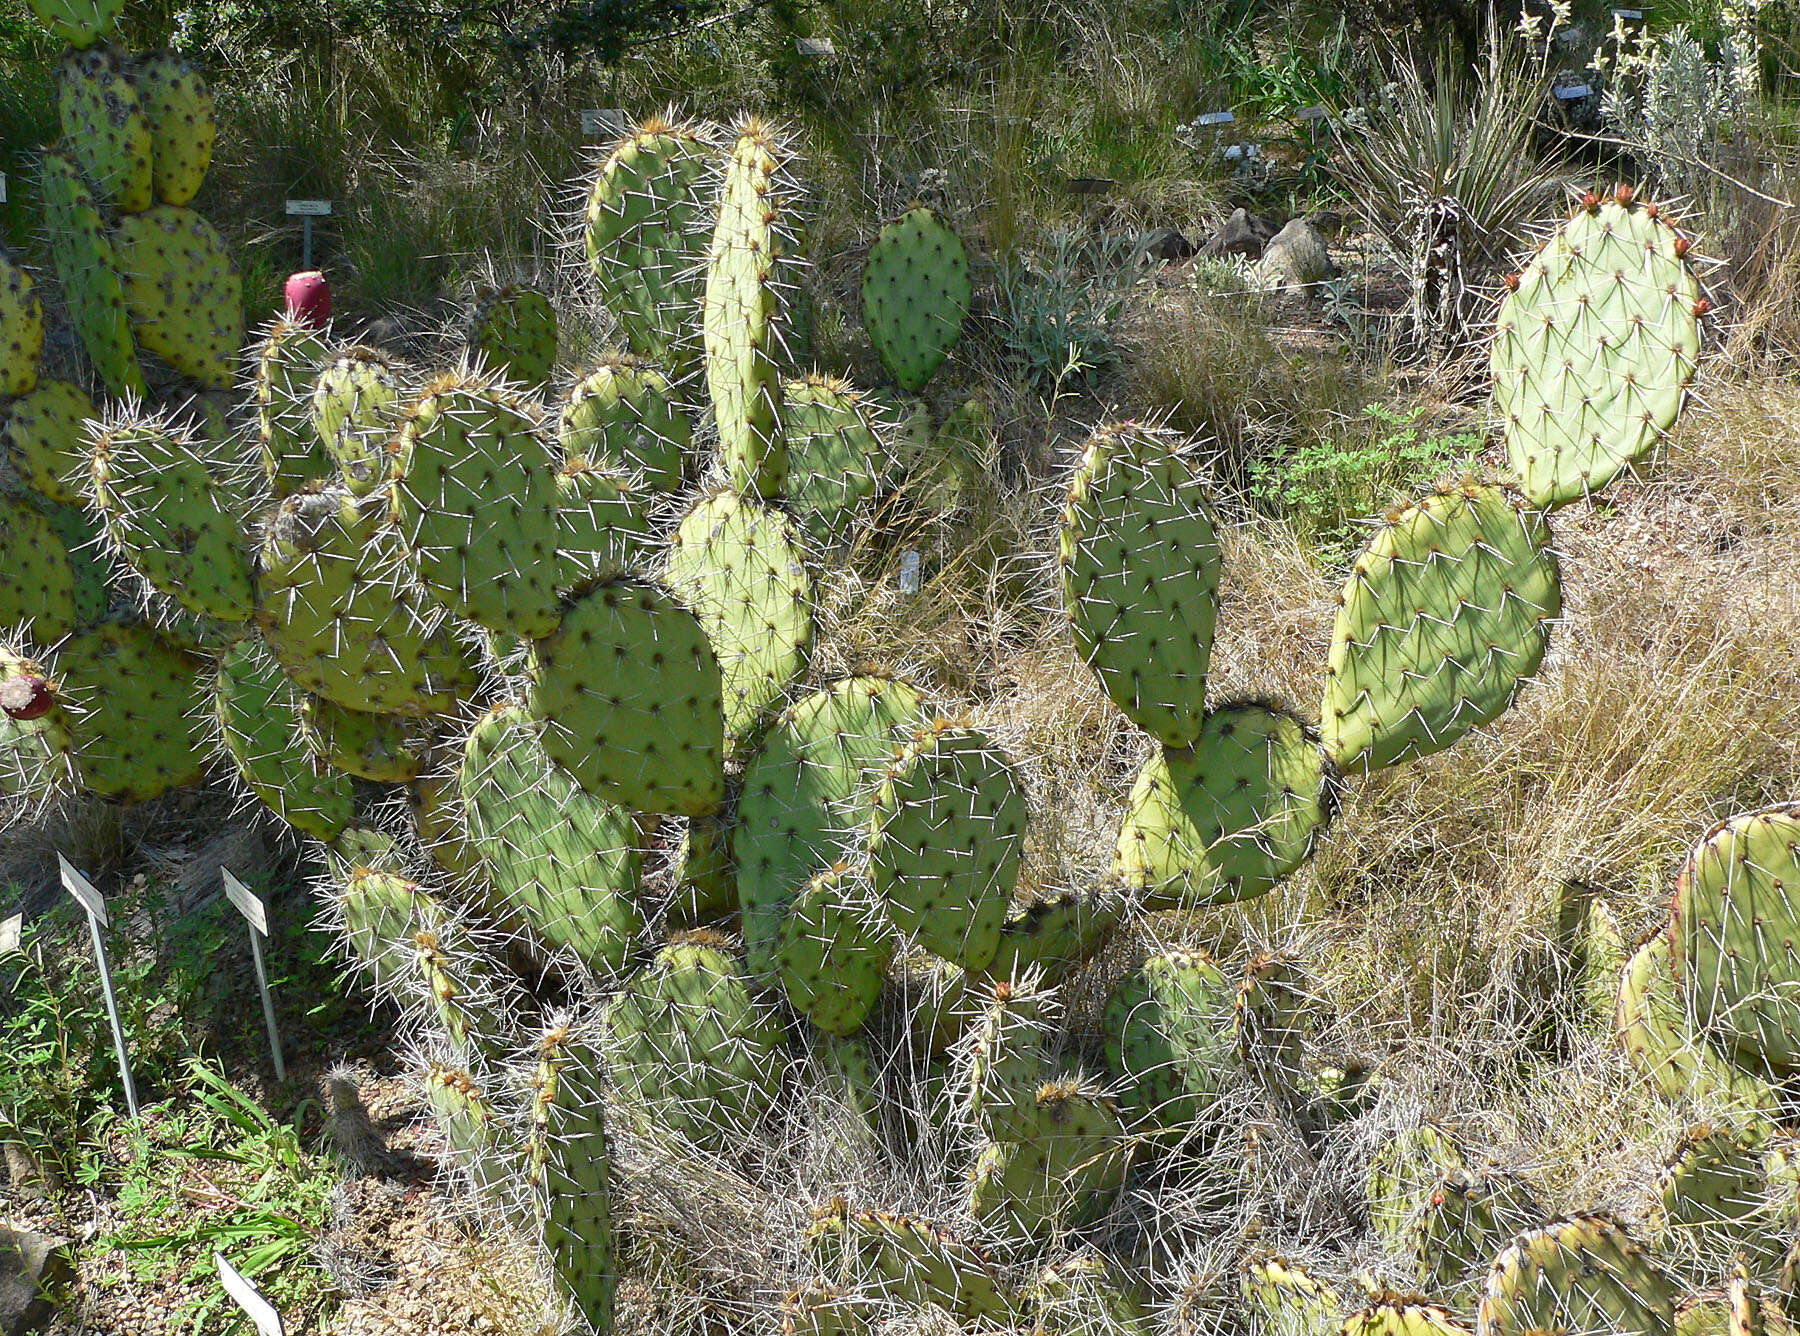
95	904
249	1298
251	907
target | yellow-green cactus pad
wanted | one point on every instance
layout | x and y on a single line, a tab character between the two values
1282	1299
183	291
1402	1176
1724	1193
630	690
104	127
38	594
1403	1315
833	952
258	715
21	328
46	437
88	267
514	330
1139	566
138	717
1444	616
1595	346
1577	1275
1168	1032
179	107
602	524
356	414
384	748
835	457
623	415
80	23
289	359
908	1261
915	295
1070	1164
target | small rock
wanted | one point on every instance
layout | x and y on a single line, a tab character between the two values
1326	222
1166	244
1297	257
1244	233
31	1265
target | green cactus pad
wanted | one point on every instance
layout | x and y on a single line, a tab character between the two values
136	701
1594	349
1274	1018
104	127
692	1049
1168	1029
21	328
335	608
80	23
1283	1299
81	534
1071	1164
1444	616
167	517
705	879
38	594
561	863
945	842
1715	1200
646	237
1228	818
630	688
1058	934
623	415
738	564
289	358
833	952
571	1173
1008	1059
1468	1218
514	329
179	108
1139	567
439	819
1088	1295
742	309
183	291
1580	1274
384	748
827	1310
1735	918
355	414
88	267
915	295
805	793
835	457
1403	1315
483	1146
258	714
46	437
907	1261
477	502
602	525
1403	1174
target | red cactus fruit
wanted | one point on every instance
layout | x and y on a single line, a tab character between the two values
26	697
309	298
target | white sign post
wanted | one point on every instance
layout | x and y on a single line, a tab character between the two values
307	210
251	907
259	1309
598	123
95	904
12	932
815	48
2	187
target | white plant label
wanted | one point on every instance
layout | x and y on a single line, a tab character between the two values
816	47
604	123
2	187
1313	113
12	931
259	1309
909	573
309	208
84	891
1573	92
248	903
1216	118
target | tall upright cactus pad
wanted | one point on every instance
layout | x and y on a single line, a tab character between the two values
630	690
561	863
740	567
513	328
1403	1174
1282	1298
805	793
833	953
1579	1274
1168	1029
1139	567
38	594
183	291
908	1261
355	414
21	328
334	606
80	23
1273	1017
257	711
1069	1165
1392	1314
168	519
289	355
1468	1218
575	1188
1443	617
623	415
946	840
692	1048
179	108
477	500
1733	929
136	700
742	309
1660	1036
88	267
602	524
1714	1200
1596	343
1008	1059
383	748
835	456
646	236
46	437
915	295
104	127
1228	818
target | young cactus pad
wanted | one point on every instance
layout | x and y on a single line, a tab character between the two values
1575	1275
602	525
355	405
833	952
907	1261
623	415
1168	1029
1596	344
575	1173
915	294
1444	615
1068	1165
88	267
835	456
1140	577
514	330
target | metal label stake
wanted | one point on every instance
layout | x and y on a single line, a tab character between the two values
307	210
259	1309
251	907
95	904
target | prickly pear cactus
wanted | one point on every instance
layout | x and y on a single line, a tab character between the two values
46	435
104	127
21	328
135	699
946	841
38	594
257	711
179	108
1392	1314
289	357
1069	1165
623	415
1086	1295
1169	1033
1139	567
907	1261
1229	817
1468	1218
1283	1299
1715	1200
602	525
1596	343
356	397
833	952
383	748
88	267
915	294
575	1187
1580	1274
80	23
827	1310
835	456
1007	1058
1403	1174
183	292
513	328
1443	617
1057	934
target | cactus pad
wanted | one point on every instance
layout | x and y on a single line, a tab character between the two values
38	594
1403	1174
1714	1200
602	524
183	291
1008	1060
21	329
915	293
1283	1299
623	415
289	356
1466	1220
1168	1032
835	457
514	330
384	748
46	437
88	267
355	411
1581	1274
179	108
80	23
907	1261
137	705
1070	1164
833	952
575	1181
104	127
258	715
1403	1315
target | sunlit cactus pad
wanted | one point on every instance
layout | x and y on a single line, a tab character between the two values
915	294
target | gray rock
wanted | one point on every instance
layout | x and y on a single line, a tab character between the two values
1165	244
1244	233
1297	257
31	1266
